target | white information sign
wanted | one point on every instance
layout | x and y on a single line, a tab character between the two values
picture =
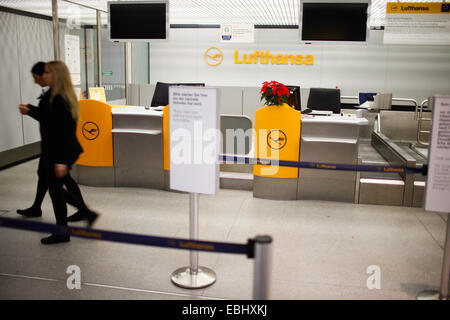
437	196
194	139
243	33
72	57
418	23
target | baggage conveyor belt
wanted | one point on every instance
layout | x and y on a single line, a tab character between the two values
390	188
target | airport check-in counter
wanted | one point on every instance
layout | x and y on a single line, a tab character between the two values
138	147
335	138
123	146
329	139
133	137
130	147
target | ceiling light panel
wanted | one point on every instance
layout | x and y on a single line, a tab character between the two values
38	7
258	12
205	12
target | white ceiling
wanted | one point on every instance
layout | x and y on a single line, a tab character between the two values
258	12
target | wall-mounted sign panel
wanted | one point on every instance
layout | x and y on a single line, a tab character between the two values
194	139
72	57
243	33
438	182
417	23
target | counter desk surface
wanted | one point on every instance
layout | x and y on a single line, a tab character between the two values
136	111
335	119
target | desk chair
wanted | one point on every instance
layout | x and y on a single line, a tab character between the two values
324	99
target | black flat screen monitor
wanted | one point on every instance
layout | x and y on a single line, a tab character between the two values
161	94
145	20
294	97
334	21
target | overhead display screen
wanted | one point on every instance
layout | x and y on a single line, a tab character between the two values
331	21
138	21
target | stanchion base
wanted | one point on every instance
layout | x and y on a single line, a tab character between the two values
204	277
428	295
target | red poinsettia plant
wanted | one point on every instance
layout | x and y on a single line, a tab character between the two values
274	93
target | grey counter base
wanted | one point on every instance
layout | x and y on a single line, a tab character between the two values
119	177
381	193
275	188
139	177
326	185
331	188
93	176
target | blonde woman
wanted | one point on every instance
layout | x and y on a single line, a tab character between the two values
42	186
60	147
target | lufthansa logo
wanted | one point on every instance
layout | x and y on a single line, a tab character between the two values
90	130
213	56
276	139
394	7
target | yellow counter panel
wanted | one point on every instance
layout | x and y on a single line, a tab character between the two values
94	134
277	130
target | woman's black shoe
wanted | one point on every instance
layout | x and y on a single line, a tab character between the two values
92	216
54	238
88	215
77	216
30	212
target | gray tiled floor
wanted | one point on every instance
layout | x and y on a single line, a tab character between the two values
321	249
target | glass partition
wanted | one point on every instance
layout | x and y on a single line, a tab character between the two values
141	62
113	65
78	44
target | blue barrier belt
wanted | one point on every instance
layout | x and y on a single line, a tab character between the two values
176	243
320	165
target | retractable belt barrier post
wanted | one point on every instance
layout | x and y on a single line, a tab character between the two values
263	267
258	248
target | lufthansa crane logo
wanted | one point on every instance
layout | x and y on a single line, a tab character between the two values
276	139
213	56
90	130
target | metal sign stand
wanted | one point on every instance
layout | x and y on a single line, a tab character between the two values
445	276
193	277
436	199
443	294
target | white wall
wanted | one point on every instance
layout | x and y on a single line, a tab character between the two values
407	71
24	41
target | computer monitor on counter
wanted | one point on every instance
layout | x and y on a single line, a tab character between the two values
294	97
161	94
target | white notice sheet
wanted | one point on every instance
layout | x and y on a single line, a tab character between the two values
438	182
